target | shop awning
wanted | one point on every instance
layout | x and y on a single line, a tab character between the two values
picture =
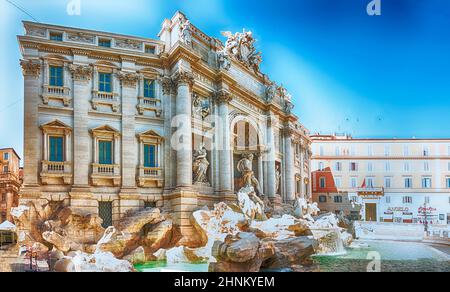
8	226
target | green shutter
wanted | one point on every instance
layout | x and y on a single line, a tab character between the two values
56	76
56	149
149	156
105	152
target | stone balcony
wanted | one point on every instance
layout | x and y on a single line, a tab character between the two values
56	93
106	175
150	177
54	173
149	104
105	98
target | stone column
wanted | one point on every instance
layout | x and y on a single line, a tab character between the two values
81	75
183	137
289	166
270	158
167	88
261	171
223	99
32	149
128	147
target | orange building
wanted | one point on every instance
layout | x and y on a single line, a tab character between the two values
10	182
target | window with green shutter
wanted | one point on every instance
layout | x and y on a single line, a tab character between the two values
56	149
105	152
149	88
56	76
150	156
104	82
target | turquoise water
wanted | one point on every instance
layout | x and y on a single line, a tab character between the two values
394	257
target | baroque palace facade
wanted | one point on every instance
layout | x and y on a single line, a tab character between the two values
117	123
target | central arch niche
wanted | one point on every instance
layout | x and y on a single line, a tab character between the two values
246	140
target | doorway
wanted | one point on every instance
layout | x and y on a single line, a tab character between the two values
371	212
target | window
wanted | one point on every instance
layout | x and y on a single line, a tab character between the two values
388	199
353	166
427	200
56	149
353	182
338	199
321	151
405	150
370	150
149	88
338	182
387	150
370	166
5	169
6	156
56	76
370	184
322	183
387	166
407	200
322	199
406	167
338	166
150	50
408	183
56	36
321	166
105	152
426	151
426	183
104	43
387	182
448	182
426	166
150	159
337	151
3	197
104	82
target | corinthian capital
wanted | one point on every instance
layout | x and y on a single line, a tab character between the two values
31	68
80	72
288	132
167	85
183	77
128	79
223	96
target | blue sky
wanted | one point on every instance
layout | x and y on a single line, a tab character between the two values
385	76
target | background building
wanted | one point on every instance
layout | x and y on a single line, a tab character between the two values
392	180
103	112
10	182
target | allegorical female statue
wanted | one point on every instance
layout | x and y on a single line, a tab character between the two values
200	165
245	167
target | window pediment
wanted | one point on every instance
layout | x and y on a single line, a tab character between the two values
150	136
105	131
149	73
56	126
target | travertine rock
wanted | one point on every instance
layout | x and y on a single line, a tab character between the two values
290	252
241	253
137	256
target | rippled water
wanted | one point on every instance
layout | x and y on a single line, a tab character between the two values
395	257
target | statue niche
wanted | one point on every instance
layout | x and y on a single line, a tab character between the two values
200	166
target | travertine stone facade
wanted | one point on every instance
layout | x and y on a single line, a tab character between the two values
148	105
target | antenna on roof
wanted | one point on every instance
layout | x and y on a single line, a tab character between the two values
22	9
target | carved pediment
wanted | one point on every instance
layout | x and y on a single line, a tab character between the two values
55	126
150	135
105	130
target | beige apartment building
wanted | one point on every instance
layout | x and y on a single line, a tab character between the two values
10	182
386	180
105	114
